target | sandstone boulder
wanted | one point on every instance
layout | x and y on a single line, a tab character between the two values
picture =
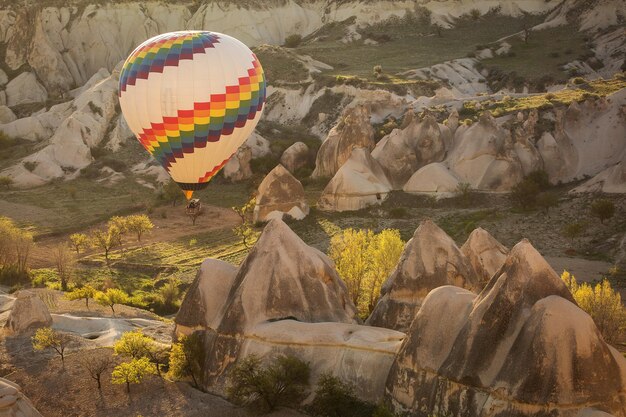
279	193
520	348
430	259
238	166
359	183
28	312
433	179
405	150
484	156
13	403
485	253
25	89
258	145
295	157
354	130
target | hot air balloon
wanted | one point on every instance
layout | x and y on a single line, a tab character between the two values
192	98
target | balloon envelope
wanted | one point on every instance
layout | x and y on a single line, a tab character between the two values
192	98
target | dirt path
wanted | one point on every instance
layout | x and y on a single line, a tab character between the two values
170	223
583	269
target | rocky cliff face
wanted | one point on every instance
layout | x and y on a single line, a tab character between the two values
522	347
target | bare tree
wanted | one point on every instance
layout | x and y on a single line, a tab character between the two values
97	363
65	261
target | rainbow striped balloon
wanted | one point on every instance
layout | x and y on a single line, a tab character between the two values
192	98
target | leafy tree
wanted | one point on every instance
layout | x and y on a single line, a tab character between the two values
132	372
120	224
384	252
96	363
245	230
111	297
603	209
547	200
602	303
364	260
65	263
6	182
15	246
139	224
171	192
280	383
187	358
133	344
85	292
79	241
573	230
106	239
46	338
136	345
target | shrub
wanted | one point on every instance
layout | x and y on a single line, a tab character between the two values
335	398
398	212
6	182
475	14
464	191
602	209
30	165
579	81
293	41
187	359
95	109
602	303
282	382
525	194
6	141
378	69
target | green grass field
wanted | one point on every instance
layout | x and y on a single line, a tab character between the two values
411	45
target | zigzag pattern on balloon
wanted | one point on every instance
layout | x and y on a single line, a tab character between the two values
207	121
165	51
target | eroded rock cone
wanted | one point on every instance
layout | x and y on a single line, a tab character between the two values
281	278
484	156
295	157
28	312
358	184
485	253
430	259
203	305
13	403
418	143
279	193
354	130
520	348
